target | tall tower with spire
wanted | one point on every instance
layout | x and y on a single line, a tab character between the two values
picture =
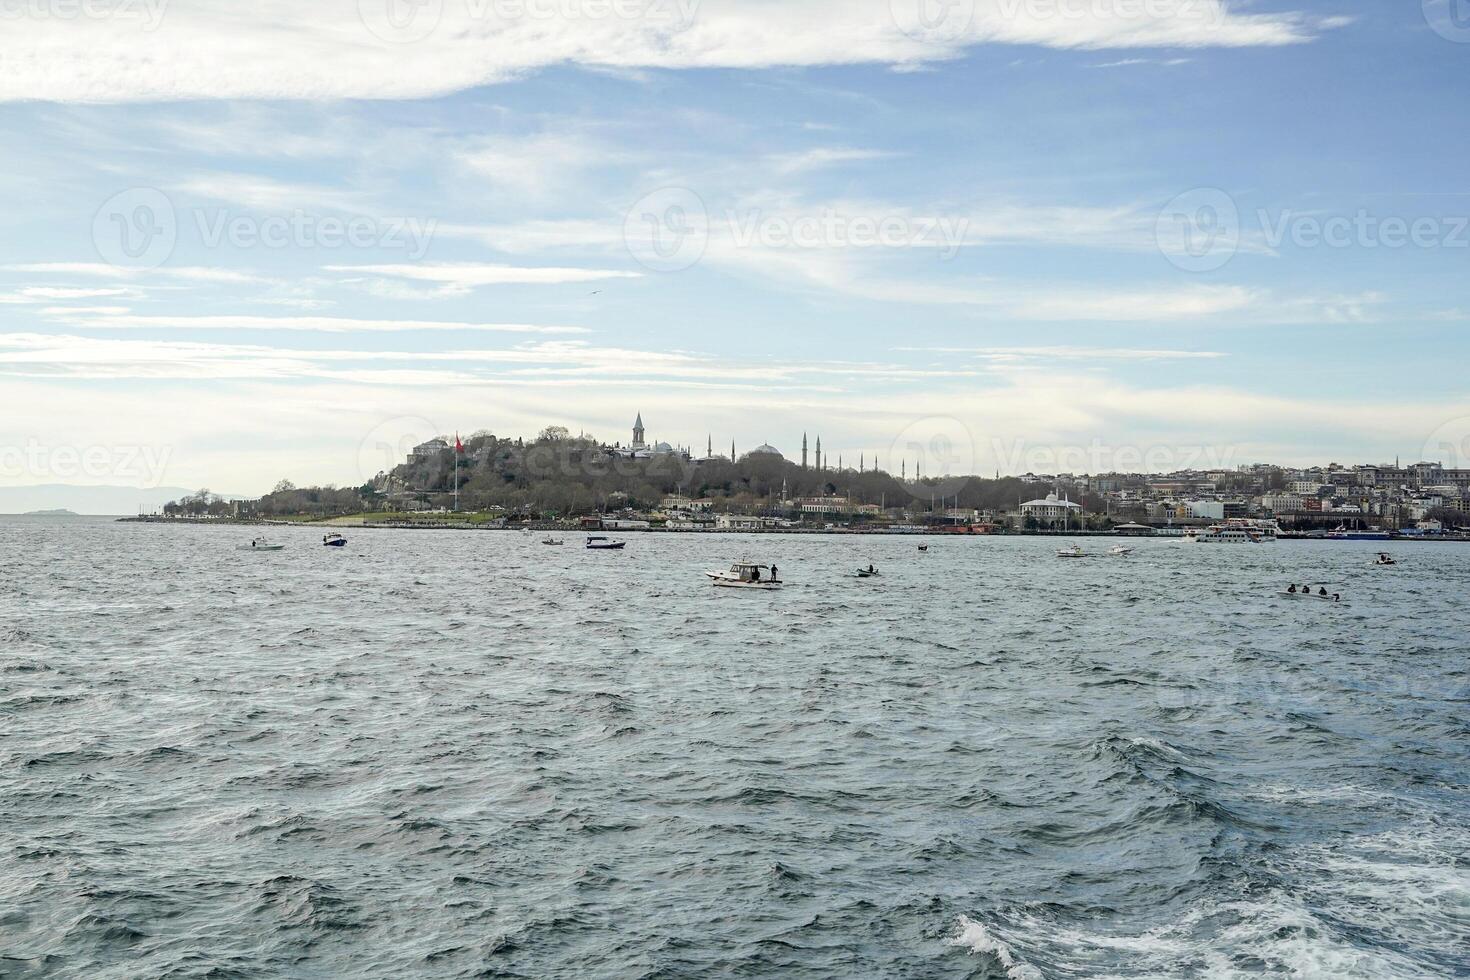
803	450
819	452
638	442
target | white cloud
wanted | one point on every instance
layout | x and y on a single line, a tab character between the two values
102	270
332	49
457	278
313	324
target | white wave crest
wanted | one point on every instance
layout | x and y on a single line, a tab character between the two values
977	939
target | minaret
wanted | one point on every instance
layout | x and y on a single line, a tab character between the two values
903	470
638	432
732	450
710	450
819	453
839	462
803	450
862	461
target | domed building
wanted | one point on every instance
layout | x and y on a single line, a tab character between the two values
765	451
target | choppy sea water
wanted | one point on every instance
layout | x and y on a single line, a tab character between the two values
441	754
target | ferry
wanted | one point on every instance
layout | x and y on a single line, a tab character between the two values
1343	534
1236	530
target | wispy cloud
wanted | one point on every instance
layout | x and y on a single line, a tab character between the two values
333	49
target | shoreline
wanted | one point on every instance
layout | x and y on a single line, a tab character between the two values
342	523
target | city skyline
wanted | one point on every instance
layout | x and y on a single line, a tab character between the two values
1107	233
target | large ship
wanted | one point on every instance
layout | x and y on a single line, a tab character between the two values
1343	534
1236	530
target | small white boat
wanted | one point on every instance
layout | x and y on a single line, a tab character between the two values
1384	559
334	540
1071	551
746	575
553	542
1306	594
1120	550
598	543
869	572
260	544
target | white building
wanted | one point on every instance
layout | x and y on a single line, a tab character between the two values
1051	509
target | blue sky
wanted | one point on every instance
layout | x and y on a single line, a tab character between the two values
1033	235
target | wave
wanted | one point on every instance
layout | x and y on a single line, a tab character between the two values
977	939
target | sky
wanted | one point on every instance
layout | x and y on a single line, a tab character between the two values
247	243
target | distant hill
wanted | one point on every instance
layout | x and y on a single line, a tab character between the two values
51	513
101	500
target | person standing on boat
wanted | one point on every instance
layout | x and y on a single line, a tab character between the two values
775	574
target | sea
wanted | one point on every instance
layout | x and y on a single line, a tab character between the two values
469	754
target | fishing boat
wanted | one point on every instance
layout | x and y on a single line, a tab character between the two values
1071	551
597	543
747	575
334	540
260	544
869	572
1120	550
553	542
1384	559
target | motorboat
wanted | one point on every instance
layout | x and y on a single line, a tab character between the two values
1120	550
1071	551
597	543
869	572
553	542
260	544
1384	559
747	575
334	541
1309	594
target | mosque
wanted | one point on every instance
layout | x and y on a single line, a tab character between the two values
639	448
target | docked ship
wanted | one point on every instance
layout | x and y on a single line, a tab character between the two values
1236	530
1343	534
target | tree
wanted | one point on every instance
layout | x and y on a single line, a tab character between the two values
285	486
554	433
